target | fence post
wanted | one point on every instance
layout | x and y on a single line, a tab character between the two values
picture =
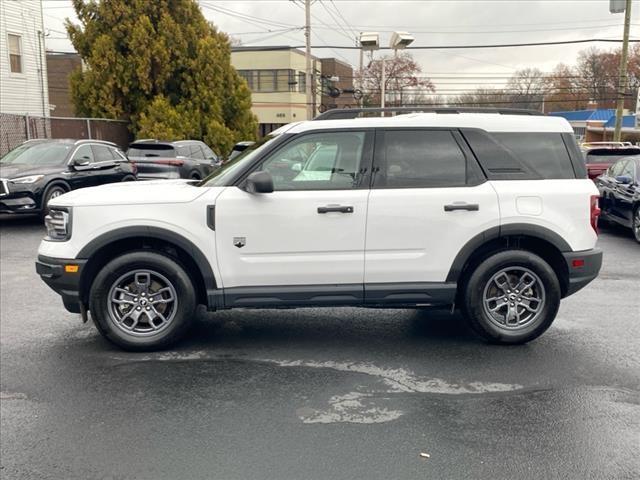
28	126
89	127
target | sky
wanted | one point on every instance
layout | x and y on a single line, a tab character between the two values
433	23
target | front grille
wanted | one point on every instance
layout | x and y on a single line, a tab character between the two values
4	189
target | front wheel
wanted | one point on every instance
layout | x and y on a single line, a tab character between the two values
635	224
50	193
142	301
511	297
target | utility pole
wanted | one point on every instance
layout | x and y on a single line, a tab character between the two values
622	80
307	54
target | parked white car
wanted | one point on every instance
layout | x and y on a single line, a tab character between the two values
489	212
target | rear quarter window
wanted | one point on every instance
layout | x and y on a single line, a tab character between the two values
543	153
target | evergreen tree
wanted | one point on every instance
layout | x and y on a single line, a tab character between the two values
163	67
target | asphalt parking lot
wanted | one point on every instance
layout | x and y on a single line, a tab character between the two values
321	394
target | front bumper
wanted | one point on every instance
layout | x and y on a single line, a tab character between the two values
583	267
66	284
18	202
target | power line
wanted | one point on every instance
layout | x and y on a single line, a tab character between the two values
453	47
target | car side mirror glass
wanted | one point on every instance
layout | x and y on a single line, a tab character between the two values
260	182
623	179
296	167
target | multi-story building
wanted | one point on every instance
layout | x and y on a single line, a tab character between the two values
59	68
23	67
276	77
337	75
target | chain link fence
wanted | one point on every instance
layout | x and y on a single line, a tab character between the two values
16	129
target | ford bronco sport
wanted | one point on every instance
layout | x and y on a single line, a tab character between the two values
487	211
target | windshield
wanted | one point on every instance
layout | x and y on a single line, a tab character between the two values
37	154
222	175
608	155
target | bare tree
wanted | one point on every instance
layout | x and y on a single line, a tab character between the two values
402	74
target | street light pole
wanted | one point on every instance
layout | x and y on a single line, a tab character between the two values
622	80
382	89
307	55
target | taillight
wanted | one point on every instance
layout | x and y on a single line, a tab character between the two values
175	163
594	212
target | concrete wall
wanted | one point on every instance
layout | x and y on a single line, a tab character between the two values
24	92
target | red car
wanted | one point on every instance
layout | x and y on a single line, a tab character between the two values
599	159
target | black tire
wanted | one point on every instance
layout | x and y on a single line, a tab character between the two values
635	223
180	314
195	176
51	191
481	283
129	178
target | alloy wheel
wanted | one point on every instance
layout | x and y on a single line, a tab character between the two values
513	298
142	302
636	224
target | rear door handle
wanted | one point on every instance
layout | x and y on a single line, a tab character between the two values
471	207
335	208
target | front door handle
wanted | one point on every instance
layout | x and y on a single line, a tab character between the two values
335	208
471	207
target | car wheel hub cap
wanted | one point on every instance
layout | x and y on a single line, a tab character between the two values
142	302
513	298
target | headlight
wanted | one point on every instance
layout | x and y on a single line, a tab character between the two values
58	224
29	179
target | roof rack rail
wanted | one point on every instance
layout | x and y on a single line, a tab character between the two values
350	113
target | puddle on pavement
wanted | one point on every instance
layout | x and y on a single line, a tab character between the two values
374	400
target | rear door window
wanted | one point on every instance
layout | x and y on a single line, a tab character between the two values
419	159
543	153
101	153
183	151
196	152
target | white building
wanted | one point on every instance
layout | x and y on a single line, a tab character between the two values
23	65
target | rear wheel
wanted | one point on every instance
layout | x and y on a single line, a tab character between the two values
635	223
142	301
511	297
195	176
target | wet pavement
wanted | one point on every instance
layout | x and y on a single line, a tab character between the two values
321	394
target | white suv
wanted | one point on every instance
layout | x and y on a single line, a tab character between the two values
489	212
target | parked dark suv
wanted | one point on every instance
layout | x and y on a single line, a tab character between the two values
181	159
39	170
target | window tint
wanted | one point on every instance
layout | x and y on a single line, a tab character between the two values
183	151
84	153
616	168
627	169
320	161
421	158
117	154
196	152
151	150
544	153
102	154
208	153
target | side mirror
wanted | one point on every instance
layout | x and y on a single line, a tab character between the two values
296	167
623	179
260	182
81	162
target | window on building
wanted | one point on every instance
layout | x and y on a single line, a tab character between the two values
302	82
15	53
266	81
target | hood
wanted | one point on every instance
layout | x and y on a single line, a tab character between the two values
10	170
131	193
